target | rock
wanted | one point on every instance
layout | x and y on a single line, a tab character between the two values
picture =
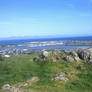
90	49
60	76
77	59
67	73
45	54
73	53
90	61
14	89
85	55
80	68
67	52
10	88
21	85
6	87
68	58
33	79
54	60
25	91
37	58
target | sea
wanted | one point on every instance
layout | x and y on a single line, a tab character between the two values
22	41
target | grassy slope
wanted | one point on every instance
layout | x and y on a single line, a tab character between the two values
20	68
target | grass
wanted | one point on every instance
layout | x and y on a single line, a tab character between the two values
21	68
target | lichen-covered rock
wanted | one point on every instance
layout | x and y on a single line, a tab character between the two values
73	53
37	58
6	87
77	59
60	76
68	58
32	80
14	89
45	53
66	55
80	67
86	55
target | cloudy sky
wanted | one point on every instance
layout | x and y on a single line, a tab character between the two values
45	17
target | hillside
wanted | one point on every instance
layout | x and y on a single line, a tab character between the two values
48	71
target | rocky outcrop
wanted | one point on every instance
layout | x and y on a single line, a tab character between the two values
68	58
17	87
9	88
84	55
61	77
44	54
6	87
71	55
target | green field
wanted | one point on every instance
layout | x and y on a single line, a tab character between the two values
21	68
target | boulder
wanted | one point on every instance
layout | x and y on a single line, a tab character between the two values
77	59
80	67
68	58
14	89
86	55
6	87
73	53
60	76
45	54
37	58
83	54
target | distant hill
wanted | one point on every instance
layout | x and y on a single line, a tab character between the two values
49	37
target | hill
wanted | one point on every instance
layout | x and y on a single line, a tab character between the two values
48	71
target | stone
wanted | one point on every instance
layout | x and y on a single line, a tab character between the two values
67	73
45	53
33	79
14	89
37	58
80	67
6	87
85	55
54	60
60	76
68	58
25	91
77	59
73	53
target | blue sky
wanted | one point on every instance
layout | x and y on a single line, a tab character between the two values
45	17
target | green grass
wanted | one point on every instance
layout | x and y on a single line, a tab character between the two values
21	68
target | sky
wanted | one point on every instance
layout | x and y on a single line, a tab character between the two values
45	17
